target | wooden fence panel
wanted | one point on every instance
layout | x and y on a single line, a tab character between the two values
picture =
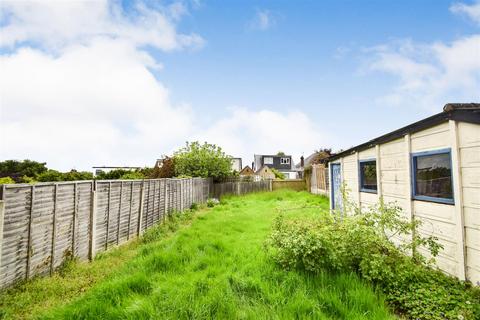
44	224
15	233
63	225
82	221
42	230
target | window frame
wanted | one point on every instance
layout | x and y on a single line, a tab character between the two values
413	163
360	175
270	160
284	160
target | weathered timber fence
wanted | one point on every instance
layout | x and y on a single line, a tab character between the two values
294	184
318	179
240	186
42	225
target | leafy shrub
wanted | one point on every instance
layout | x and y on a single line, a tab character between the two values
73	175
362	243
278	174
212	202
6	180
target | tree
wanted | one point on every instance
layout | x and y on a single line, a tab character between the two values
124	174
165	170
18	169
280	153
202	160
50	175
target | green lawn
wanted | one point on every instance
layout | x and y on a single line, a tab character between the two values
213	266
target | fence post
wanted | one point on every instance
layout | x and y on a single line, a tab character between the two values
181	194
93	220
29	242
54	228
75	213
140	212
165	202
108	214
119	213
130	210
2	219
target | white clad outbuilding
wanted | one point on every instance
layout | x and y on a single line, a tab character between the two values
431	169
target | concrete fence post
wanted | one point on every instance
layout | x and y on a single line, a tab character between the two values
108	214
93	220
130	209
74	218
140	212
119	213
54	228
29	242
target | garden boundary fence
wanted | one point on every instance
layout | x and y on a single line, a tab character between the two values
41	225
240	186
317	181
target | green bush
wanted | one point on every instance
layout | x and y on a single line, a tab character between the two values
362	243
6	180
278	174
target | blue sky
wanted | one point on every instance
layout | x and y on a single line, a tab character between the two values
252	76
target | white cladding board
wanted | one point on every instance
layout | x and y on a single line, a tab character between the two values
469	145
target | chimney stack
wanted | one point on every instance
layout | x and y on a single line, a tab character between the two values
302	161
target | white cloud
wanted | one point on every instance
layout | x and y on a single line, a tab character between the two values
263	20
429	75
471	11
77	90
52	24
95	104
245	132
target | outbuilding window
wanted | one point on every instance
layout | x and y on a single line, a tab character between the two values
432	176
368	176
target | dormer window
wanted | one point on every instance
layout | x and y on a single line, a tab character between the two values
268	160
284	160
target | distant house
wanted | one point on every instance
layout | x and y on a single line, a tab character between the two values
265	172
247	172
105	169
318	157
282	163
236	164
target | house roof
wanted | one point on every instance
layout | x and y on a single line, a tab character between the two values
246	169
264	167
314	158
464	112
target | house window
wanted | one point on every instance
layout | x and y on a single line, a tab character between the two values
432	176
368	176
284	160
268	160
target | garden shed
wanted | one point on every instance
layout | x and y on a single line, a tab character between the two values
431	169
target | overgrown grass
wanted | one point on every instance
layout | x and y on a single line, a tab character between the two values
216	268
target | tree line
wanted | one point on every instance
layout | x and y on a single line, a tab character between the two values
193	160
